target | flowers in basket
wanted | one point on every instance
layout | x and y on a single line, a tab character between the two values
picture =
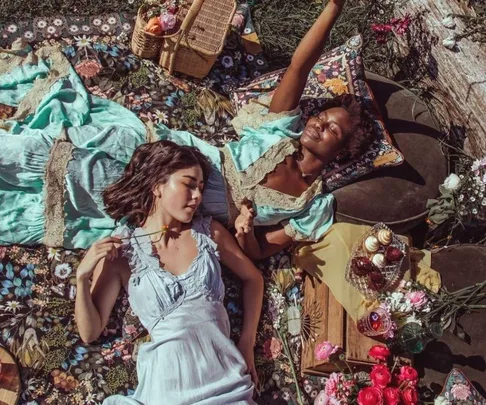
386	384
162	17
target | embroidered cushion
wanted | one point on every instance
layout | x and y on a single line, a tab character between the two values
337	72
459	390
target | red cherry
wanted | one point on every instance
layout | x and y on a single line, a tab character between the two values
376	280
361	266
393	254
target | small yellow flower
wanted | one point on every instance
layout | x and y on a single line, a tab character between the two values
337	86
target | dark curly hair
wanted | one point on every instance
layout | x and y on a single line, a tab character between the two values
151	164
361	134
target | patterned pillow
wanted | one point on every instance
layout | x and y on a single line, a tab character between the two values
337	72
459	390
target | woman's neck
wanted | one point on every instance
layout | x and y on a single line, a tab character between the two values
310	165
166	224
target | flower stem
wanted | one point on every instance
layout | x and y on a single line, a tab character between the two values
292	367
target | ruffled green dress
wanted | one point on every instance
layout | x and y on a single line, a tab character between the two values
64	146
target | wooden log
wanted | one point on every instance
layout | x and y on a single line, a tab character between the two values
456	78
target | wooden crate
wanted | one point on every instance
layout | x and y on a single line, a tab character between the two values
335	326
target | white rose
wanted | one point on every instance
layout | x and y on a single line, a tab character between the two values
452	182
449	43
449	22
441	401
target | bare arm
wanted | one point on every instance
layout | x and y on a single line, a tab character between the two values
289	91
264	242
94	304
233	258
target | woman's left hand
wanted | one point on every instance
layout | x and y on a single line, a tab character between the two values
246	347
244	221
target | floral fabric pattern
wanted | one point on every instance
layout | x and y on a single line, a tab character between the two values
38	285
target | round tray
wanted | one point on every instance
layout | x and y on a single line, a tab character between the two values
393	273
10	383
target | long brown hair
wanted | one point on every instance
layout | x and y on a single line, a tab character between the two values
151	164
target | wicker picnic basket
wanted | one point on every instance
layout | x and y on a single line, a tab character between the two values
145	44
196	44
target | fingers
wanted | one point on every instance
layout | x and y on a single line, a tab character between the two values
106	251
112	239
254	378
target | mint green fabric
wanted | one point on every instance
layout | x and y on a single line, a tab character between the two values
255	142
310	223
104	135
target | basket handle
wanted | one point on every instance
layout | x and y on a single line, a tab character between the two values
186	24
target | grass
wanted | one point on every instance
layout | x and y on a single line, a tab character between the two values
281	24
21	10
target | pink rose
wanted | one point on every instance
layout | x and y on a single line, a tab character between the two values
238	20
130	330
3	251
324	350
460	391
410	396
417	298
272	348
167	21
391	395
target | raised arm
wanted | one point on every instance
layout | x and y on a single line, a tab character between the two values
289	91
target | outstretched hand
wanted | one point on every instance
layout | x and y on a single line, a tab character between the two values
244	221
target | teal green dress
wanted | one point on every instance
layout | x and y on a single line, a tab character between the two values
64	146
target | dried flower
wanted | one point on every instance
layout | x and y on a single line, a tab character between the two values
88	68
272	348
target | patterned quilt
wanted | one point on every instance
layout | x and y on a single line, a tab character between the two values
38	285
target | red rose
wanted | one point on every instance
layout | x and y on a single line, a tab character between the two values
410	396
380	376
391	395
370	396
380	352
408	373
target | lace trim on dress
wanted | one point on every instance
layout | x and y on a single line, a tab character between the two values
255	113
295	235
261	195
268	162
56	170
59	68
